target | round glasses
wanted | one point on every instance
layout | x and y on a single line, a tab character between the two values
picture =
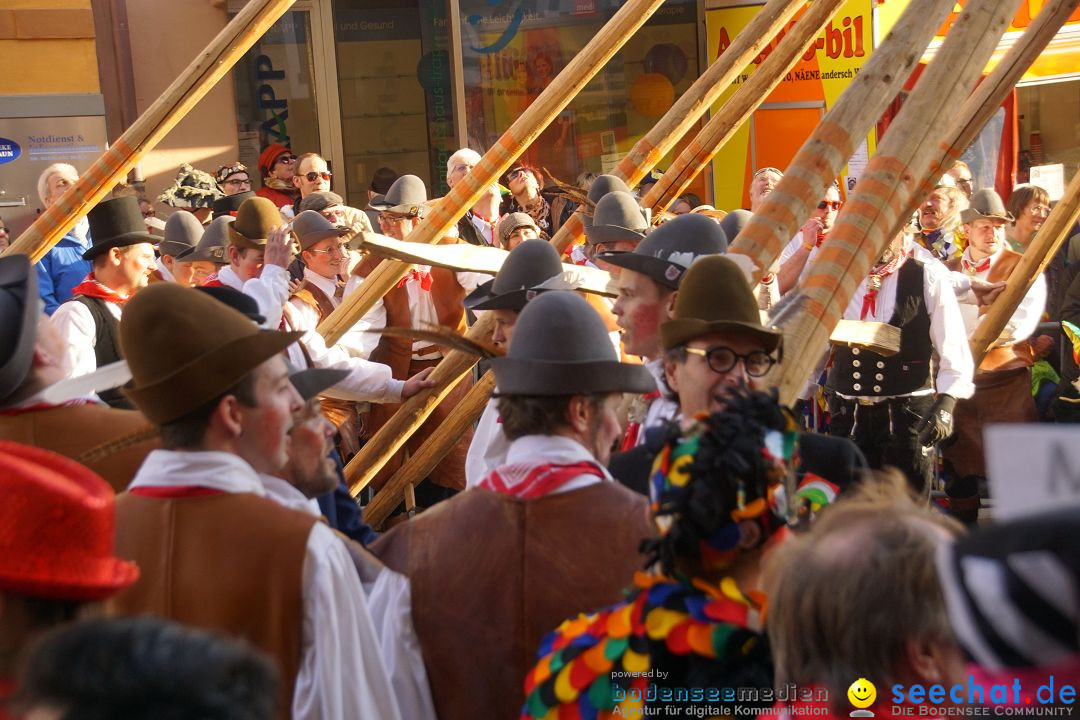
723	360
237	181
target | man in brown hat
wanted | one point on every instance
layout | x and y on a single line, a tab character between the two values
39	407
259	253
182	233
122	257
214	551
546	535
1003	378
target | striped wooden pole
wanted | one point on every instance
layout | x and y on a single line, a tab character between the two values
894	177
834	140
688	110
521	133
736	111
147	131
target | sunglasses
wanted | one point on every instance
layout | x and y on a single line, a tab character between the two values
287	159
314	176
829	205
515	174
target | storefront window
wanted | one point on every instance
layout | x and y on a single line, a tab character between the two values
275	91
1049	128
513	49
395	91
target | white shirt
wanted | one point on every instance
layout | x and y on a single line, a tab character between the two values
1023	322
482	226
955	366
488	448
166	274
555	449
793	247
270	290
661	409
357	341
341	674
390	605
79	332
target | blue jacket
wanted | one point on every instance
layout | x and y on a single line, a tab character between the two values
61	270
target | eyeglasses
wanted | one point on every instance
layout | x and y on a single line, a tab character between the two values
963	181
314	176
829	205
723	359
245	181
287	159
339	249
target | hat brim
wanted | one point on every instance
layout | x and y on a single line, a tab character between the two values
660	271
199	381
971	214
194	255
517	376
173	248
482	298
319	235
80	579
595	234
674	333
14	272
313	381
125	240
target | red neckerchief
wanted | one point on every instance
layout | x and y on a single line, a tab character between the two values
15	411
423	277
877	275
212	281
634	427
528	481
974	268
170	492
90	287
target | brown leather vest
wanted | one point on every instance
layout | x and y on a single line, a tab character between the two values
492	574
231	563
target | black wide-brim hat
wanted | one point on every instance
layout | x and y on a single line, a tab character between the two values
561	347
527	267
313	381
229	204
668	251
19	315
116	222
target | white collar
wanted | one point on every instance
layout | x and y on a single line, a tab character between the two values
166	274
545	449
328	286
228	277
210	469
281	492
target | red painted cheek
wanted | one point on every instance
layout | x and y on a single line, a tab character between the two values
643	321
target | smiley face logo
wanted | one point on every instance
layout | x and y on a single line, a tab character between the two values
862	694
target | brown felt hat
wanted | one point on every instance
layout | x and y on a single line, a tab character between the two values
310	227
255	219
185	348
714	297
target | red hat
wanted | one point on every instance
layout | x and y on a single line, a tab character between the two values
269	156
57	528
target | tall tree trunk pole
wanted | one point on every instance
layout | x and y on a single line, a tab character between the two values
147	131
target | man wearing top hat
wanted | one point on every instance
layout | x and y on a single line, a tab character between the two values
544	536
58	519
73	423
121	257
182	233
259	254
215	552
209	255
276	166
1003	378
648	279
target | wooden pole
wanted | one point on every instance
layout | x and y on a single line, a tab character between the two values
1047	242
420	465
893	178
691	106
445	214
148	130
845	125
701	150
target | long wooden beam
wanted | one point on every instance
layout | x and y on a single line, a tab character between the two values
521	133
147	131
894	179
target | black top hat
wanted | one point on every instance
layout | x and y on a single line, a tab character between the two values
238	301
313	381
617	217
19	313
406	196
229	204
116	222
310	227
669	250
211	247
561	347
182	233
524	273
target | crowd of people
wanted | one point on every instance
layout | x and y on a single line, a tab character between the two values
634	525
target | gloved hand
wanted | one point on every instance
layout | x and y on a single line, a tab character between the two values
938	423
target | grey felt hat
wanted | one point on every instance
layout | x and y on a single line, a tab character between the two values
116	222
19	316
733	223
182	232
310	227
601	186
561	347
986	204
406	196
321	200
211	247
520	279
617	217
668	251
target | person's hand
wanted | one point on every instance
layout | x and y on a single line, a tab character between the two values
810	231
938	423
296	286
986	292
416	383
278	247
